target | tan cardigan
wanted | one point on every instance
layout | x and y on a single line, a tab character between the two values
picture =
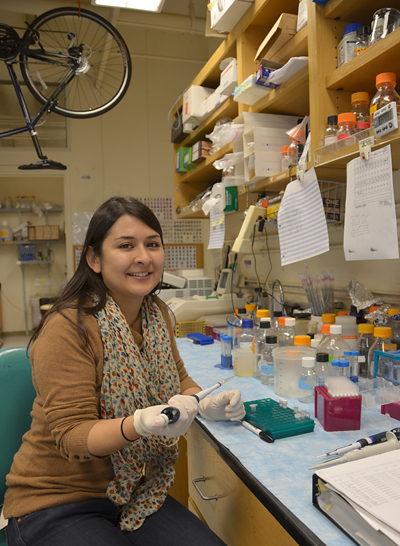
53	465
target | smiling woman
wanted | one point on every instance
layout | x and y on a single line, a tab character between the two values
97	464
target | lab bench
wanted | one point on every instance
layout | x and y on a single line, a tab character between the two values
264	489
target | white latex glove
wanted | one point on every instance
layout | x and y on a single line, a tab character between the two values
148	421
226	406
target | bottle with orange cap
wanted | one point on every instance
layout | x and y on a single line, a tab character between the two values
360	107
382	335
332	343
364	343
385	92
285	159
286	331
346	126
260	314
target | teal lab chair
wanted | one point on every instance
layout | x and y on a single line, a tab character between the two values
16	399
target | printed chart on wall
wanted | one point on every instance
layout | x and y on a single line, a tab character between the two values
370	228
302	228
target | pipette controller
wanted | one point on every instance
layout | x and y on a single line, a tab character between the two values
363	442
171	414
391	443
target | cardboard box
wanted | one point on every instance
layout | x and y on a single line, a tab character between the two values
280	33
39	233
201	150
54	233
229	78
180	156
225	14
193	103
231	199
264	70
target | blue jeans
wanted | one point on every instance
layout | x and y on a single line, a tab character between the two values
95	523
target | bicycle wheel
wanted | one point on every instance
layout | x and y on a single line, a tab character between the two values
78	57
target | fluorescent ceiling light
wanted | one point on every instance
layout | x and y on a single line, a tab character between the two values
144	5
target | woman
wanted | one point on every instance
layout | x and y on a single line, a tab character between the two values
96	466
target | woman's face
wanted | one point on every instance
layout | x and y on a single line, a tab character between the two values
131	261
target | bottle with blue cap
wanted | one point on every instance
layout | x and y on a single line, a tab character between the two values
345	50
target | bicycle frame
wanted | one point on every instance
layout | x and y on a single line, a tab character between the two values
30	123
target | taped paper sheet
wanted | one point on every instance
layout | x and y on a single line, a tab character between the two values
217	230
302	228
370	227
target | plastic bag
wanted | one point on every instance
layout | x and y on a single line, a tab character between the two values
298	132
224	133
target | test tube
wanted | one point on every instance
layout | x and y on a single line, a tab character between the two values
223	351
228	351
354	364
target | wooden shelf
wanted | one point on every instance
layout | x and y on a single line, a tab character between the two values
339	159
205	171
56	208
356	12
295	47
359	73
280	100
229	108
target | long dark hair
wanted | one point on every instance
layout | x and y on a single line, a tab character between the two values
85	283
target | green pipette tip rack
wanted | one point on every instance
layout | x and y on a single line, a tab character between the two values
275	420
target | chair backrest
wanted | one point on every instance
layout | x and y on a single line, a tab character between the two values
16	399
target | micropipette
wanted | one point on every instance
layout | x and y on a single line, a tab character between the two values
363	442
391	443
172	414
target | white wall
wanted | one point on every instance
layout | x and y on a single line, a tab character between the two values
126	151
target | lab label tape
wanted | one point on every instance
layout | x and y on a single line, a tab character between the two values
277	421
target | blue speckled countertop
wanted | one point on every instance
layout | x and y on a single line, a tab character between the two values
282	467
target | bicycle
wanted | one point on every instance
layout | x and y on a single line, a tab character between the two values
73	61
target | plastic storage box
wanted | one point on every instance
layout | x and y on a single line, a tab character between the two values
337	413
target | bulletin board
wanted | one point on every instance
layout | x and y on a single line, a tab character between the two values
183	256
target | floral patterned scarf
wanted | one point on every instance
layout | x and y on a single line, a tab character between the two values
134	379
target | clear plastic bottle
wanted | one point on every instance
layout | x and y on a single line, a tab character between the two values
394	324
250	312
349	329
259	342
267	361
275	321
6	234
362	40
307	380
382	335
323	367
286	331
246	336
260	314
363	345
285	159
385	92
296	147
333	344
360	107
346	126
331	131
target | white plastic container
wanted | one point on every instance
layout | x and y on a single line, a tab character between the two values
349	330
287	368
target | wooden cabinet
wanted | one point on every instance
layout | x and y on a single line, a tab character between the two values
233	512
320	90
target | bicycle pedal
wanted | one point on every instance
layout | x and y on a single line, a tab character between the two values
43	164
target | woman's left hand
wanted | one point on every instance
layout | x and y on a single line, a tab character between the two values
226	406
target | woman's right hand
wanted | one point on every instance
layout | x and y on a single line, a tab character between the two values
148	421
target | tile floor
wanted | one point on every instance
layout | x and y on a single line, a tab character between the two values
14	340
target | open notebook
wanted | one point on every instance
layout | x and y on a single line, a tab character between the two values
363	498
